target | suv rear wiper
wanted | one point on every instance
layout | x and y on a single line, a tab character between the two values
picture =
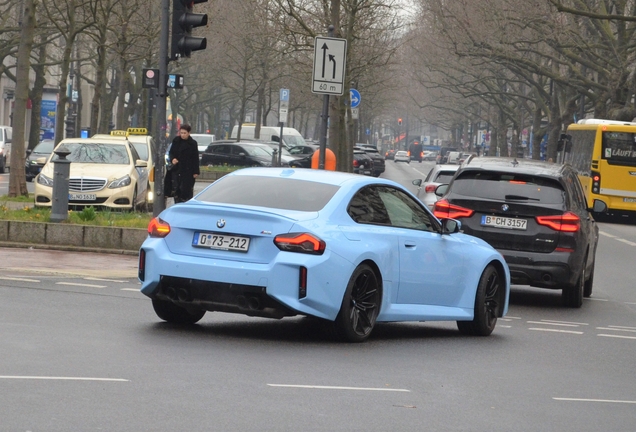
520	197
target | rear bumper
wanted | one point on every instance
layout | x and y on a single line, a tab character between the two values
555	270
260	289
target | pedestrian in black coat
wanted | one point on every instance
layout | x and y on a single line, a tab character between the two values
184	155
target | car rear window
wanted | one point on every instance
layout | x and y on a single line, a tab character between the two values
270	192
444	177
508	186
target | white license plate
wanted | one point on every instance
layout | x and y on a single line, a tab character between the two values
632	200
504	222
221	241
82	197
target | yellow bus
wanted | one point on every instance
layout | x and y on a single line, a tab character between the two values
604	154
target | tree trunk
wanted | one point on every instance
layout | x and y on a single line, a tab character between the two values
17	178
36	97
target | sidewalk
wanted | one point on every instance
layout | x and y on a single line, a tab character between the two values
92	264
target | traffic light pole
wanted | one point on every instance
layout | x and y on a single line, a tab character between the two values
160	163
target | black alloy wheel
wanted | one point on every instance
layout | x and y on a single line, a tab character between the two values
360	305
487	304
170	312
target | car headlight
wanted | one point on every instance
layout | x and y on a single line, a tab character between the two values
120	182
44	180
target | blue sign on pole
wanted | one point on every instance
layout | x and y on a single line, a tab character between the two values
354	95
284	95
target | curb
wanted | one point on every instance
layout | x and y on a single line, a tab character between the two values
44	235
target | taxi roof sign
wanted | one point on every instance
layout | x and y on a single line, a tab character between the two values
118	133
137	131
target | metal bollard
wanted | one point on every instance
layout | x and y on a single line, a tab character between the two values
275	158
61	174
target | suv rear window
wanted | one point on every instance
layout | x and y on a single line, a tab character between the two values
509	186
271	192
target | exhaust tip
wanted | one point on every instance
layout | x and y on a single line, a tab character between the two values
546	277
183	295
253	303
171	293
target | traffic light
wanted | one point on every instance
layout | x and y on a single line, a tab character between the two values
183	21
399	122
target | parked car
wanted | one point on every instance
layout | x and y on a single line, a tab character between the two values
277	242
389	154
535	214
144	144
362	163
203	141
402	156
378	159
104	172
6	137
34	161
240	154
438	175
303	150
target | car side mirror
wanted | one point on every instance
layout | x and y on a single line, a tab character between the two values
451	226
140	163
417	182
40	161
599	206
441	190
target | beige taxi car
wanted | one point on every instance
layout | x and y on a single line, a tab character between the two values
145	146
105	171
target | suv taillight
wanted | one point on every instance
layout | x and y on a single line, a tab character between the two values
430	188
567	222
444	209
355	163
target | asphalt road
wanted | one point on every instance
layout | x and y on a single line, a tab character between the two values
80	350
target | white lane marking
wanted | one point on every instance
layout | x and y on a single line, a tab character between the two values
594	400
563	322
606	234
338	388
595	299
632	303
509	318
129	289
79	284
104	280
626	241
622	327
616	336
62	378
504	326
617	329
555	330
18	279
553	323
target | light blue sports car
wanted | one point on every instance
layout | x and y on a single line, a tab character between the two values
350	249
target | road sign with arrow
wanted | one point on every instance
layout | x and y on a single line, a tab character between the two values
330	56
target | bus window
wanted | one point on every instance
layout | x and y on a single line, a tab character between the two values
619	148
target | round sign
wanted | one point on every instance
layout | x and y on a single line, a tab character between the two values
355	97
150	73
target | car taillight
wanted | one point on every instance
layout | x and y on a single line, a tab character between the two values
430	188
355	163
596	182
158	228
567	222
300	242
444	209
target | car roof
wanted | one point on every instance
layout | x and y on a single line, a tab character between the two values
514	165
336	178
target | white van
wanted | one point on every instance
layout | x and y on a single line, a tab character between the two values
291	137
6	136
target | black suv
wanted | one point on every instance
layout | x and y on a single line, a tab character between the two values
535	214
378	159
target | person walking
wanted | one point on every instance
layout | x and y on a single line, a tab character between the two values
184	156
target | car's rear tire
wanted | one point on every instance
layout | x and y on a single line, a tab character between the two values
360	306
587	289
172	313
487	304
572	296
